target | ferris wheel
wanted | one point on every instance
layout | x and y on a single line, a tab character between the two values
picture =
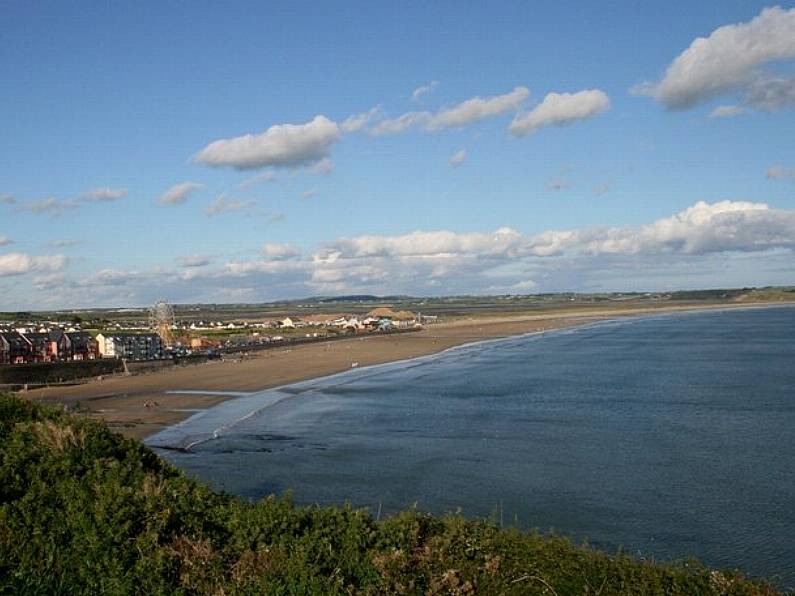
161	319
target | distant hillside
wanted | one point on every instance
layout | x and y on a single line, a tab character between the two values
84	511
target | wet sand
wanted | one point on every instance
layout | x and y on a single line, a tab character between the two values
141	405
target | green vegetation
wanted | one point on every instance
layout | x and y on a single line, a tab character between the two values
85	511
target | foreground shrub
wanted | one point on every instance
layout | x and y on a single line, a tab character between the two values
85	511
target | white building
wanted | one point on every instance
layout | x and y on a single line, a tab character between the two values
131	346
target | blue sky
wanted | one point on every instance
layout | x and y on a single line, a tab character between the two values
656	162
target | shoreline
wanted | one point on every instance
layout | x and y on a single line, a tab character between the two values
141	406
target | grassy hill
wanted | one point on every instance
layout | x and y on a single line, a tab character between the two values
85	511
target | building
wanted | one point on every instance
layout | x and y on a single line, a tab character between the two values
4	350
130	346
40	347
17	349
81	346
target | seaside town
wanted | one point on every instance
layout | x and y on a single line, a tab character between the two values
163	337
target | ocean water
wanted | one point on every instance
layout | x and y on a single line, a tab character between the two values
666	436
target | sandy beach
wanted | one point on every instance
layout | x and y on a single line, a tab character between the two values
141	405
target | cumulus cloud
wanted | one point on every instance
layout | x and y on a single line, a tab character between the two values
5	240
696	244
279	251
103	194
6	199
357	122
463	114
281	145
771	93
700	229
726	111
478	108
423	90
458	158
727	60
224	204
195	260
17	263
178	194
560	109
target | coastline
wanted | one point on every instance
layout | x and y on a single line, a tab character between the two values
141	406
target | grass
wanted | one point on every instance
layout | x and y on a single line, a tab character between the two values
85	511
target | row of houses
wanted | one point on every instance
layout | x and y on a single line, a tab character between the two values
57	345
54	345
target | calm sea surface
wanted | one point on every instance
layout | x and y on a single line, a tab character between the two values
667	436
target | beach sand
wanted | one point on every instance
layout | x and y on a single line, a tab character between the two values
140	405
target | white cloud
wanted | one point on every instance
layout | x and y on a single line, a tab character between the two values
400	124
308	194
5	240
725	61
458	158
504	241
17	263
726	111
478	108
323	167
224	204
256	180
279	252
6	199
195	260
357	122
779	172
104	194
525	285
700	229
752	241
771	93
281	145
50	206
179	193
49	282
560	109
423	90
463	114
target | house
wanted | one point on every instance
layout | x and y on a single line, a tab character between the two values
288	323
19	350
130	346
59	344
40	347
81	346
403	318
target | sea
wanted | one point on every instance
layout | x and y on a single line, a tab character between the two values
666	437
